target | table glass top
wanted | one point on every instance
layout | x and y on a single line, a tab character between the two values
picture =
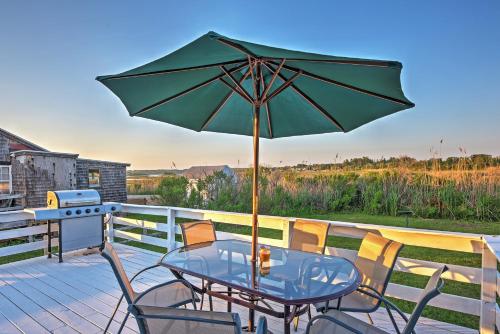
292	277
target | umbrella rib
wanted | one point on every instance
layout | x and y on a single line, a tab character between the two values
222	103
282	87
251	65
243	90
311	101
268	112
374	63
344	85
236	90
237	47
184	92
275	74
201	67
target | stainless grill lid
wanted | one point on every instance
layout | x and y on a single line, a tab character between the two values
72	198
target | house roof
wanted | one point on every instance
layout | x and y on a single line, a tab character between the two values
20	140
200	172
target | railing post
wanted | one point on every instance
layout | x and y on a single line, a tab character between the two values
488	291
110	228
171	229
287	227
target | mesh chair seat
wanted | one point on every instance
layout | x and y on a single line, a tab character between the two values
322	326
166	295
184	321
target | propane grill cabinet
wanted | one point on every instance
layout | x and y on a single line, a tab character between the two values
80	217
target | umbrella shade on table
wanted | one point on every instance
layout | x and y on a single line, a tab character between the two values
220	84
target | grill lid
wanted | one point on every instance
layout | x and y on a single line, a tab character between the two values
72	198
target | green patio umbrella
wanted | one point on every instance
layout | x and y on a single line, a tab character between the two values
220	84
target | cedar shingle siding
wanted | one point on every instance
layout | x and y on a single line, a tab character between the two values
35	171
113	178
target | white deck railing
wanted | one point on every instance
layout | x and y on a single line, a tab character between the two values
488	246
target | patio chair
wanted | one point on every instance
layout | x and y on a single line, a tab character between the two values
197	232
173	293
309	236
157	320
338	322
376	259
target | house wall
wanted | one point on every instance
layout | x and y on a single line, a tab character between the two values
113	178
10	143
4	150
35	173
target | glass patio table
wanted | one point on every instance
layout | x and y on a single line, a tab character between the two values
292	278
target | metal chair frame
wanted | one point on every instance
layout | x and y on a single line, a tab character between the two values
362	289
142	294
410	322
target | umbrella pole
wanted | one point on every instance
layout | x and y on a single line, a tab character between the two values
255	187
255	190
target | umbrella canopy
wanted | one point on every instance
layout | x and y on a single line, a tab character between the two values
207	84
225	85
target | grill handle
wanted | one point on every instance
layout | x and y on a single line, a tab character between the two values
79	203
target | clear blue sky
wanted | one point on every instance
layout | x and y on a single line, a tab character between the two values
51	51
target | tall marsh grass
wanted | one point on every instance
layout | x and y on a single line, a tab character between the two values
456	193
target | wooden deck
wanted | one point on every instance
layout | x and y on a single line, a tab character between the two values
77	296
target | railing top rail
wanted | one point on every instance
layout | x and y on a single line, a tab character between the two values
493	243
479	237
11	216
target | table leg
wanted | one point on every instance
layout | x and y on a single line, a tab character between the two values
251	320
286	320
229	303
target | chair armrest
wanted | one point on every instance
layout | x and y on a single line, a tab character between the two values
388	303
143	270
329	318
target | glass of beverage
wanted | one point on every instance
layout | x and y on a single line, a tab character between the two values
264	256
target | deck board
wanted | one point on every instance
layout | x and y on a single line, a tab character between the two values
42	296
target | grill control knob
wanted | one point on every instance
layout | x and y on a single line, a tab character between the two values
68	213
97	210
88	211
78	212
113	208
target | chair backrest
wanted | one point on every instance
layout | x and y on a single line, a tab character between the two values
309	236
155	320
432	289
376	259
110	254
197	232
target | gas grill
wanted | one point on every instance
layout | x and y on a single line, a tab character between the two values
80	216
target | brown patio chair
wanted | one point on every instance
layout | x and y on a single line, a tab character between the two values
376	259
173	293
309	236
198	232
338	322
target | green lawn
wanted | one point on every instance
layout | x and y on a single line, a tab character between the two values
436	255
